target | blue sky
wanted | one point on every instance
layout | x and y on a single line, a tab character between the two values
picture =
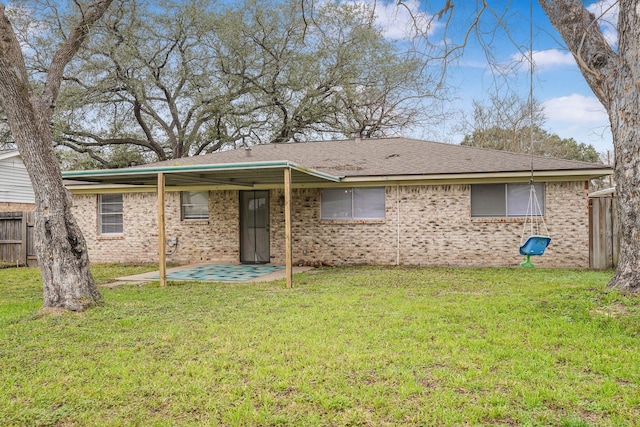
571	108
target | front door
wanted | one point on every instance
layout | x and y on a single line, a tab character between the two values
254	227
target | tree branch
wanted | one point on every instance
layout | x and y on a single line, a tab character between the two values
11	59
68	49
585	41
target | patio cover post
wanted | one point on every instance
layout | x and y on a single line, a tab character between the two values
287	226
162	246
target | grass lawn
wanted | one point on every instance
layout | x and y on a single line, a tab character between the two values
346	346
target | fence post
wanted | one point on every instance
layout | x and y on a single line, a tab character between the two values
23	245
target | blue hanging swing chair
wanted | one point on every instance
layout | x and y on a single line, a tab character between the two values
538	239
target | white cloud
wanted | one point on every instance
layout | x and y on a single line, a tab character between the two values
545	60
580	117
606	11
398	22
575	108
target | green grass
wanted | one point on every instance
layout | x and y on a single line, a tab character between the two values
346	346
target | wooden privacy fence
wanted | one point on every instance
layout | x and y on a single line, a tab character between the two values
604	232
16	238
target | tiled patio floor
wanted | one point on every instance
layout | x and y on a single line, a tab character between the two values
224	273
214	273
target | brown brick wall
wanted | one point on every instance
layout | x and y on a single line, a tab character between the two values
424	225
16	207
331	242
198	241
432	225
138	242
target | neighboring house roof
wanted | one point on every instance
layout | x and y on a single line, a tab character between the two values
15	184
371	160
7	154
603	193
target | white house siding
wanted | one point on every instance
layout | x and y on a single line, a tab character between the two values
424	225
16	192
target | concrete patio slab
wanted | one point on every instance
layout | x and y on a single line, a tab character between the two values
183	273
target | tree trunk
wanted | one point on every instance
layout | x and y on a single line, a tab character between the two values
59	244
624	113
60	247
614	77
627	177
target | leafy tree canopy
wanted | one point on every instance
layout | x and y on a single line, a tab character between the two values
504	123
544	143
178	78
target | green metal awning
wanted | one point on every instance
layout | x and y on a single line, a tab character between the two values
241	175
238	175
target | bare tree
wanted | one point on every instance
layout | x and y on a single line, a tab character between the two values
505	124
60	246
501	123
613	74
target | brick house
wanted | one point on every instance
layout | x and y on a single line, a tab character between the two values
390	201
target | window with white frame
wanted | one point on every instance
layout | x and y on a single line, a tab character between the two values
110	214
194	205
353	203
505	200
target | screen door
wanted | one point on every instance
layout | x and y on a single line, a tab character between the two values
254	227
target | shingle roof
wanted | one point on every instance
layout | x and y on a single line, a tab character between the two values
388	157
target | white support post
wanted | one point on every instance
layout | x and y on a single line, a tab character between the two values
162	243
287	226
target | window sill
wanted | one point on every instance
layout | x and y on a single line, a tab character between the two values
505	219
111	237
194	221
353	221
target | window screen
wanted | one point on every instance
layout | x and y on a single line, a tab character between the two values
504	200
518	199
337	204
368	203
488	200
110	213
195	204
353	203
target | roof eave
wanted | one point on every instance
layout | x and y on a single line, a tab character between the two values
111	177
106	178
561	175
95	173
9	154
